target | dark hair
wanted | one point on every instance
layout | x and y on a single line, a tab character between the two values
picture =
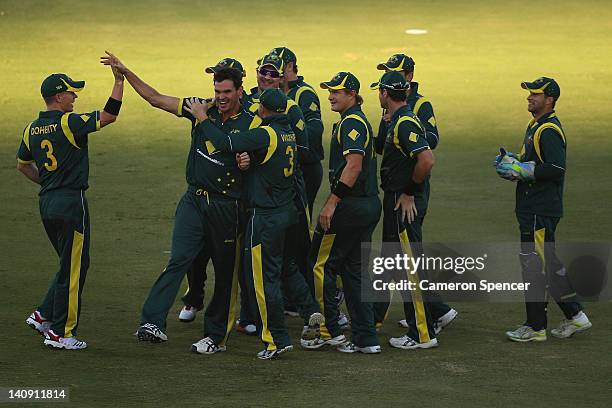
397	95
49	99
232	74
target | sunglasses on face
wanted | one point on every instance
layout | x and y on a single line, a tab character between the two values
269	72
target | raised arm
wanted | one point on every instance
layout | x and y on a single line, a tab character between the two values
146	91
111	109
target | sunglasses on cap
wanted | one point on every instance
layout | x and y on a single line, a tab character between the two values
265	71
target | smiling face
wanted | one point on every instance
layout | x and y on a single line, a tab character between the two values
341	99
268	77
538	103
227	97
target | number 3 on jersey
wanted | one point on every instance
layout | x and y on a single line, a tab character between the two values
289	170
46	145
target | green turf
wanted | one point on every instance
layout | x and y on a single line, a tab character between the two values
470	64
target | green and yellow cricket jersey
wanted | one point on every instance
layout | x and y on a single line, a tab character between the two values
353	134
57	143
270	181
405	140
214	170
294	116
423	109
308	101
545	144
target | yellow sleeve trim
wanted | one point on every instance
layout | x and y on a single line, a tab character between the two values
303	89
538	134
396	131
24	161
26	136
68	132
255	122
273	143
360	119
418	104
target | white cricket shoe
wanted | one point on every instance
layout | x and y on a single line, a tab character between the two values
349	347
576	324
525	334
38	322
343	322
445	320
319	342
270	354
207	346
151	332
248	329
52	340
188	314
407	343
313	330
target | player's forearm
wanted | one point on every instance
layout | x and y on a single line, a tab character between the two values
351	172
146	91
30	171
111	110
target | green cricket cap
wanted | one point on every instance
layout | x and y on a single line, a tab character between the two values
273	60
285	53
393	80
397	62
226	63
274	99
547	86
58	83
342	80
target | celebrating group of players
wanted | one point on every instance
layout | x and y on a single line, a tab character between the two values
253	171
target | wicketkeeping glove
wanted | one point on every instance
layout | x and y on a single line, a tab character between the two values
500	156
513	169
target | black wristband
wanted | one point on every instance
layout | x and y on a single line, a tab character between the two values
341	190
413	187
113	106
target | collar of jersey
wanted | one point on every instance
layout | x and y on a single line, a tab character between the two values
50	114
351	110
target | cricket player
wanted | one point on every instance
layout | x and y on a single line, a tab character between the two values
347	219
193	299
270	200
422	108
54	154
406	163
307	99
206	216
539	170
270	76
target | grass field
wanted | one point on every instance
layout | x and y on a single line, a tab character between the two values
470	64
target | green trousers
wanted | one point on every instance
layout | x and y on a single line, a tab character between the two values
65	216
544	271
417	305
202	221
296	291
263	261
337	252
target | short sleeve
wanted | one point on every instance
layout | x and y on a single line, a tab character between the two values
410	138
24	155
353	136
